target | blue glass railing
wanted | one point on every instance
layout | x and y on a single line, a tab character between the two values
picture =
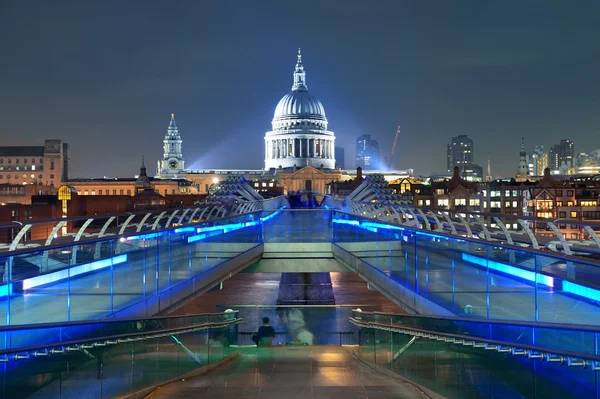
477	278
112	358
459	357
98	277
469	277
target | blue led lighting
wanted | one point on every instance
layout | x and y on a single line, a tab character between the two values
147	236
344	221
6	290
580	290
370	226
72	272
272	215
185	230
512	270
200	237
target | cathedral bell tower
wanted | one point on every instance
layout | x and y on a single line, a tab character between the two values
172	162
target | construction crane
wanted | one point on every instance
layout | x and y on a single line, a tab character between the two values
389	163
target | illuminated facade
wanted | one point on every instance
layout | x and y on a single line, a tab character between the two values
299	135
47	165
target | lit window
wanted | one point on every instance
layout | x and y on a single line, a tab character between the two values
514	204
573	215
85	192
420	203
427	202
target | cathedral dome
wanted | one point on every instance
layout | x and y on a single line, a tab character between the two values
299	136
299	105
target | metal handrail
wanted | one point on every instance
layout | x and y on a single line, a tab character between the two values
18	327
532	351
532	324
95	239
103	341
450	236
234	208
531	219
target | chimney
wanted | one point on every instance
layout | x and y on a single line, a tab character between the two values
359	173
456	172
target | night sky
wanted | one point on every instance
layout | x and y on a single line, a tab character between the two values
105	77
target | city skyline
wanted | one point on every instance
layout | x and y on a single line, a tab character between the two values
496	76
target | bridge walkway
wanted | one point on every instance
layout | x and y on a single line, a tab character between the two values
310	372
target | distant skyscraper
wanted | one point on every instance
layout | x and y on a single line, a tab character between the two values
339	158
567	154
538	161
367	153
460	152
562	157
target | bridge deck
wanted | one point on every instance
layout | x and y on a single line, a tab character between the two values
292	372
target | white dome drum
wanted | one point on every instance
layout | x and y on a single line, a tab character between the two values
299	136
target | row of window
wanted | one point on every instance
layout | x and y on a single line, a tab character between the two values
14	214
547	204
32	176
498	204
563	215
9	160
12	190
498	193
114	192
264	184
457	202
19	167
106	192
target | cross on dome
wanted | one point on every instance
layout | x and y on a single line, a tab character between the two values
299	75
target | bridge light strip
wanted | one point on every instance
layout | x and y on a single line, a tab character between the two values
511	270
210	231
71	272
371	226
580	290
